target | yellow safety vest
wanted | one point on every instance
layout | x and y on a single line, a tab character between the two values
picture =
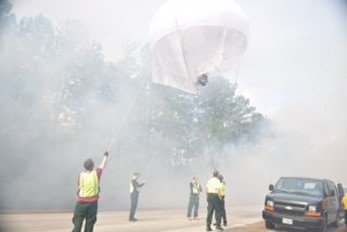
344	201
88	184
223	189
131	187
196	188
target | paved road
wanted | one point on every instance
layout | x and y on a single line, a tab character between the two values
241	218
149	220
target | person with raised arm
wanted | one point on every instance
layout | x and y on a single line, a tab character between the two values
88	195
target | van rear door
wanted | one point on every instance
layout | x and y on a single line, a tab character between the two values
333	202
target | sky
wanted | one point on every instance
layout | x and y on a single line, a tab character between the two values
294	70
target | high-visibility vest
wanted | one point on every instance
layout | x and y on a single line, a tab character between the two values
223	189
131	187
88	184
196	188
344	202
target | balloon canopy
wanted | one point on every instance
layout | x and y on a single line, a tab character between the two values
189	38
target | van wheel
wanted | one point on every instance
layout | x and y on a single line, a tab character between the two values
269	224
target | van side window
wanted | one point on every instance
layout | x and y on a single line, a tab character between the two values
332	188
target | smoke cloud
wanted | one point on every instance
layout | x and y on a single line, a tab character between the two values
62	101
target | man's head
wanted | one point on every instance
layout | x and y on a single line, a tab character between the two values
135	175
221	178
89	164
215	173
195	179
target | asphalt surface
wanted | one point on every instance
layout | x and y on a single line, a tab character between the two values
241	219
149	220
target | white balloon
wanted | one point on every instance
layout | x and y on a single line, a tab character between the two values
189	38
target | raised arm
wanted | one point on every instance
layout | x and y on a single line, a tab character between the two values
137	184
104	160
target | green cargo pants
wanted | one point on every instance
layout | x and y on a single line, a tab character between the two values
213	205
224	214
193	203
87	211
134	199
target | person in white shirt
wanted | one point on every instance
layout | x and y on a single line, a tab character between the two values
213	194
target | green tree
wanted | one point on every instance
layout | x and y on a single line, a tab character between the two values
194	126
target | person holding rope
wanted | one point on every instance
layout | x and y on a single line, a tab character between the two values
222	201
88	194
222	193
195	189
134	195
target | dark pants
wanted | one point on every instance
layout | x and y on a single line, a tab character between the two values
346	217
87	211
223	214
213	205
134	199
193	203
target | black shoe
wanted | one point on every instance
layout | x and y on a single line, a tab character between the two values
219	228
225	224
133	219
208	228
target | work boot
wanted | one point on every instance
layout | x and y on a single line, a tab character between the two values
225	223
208	228
219	228
133	219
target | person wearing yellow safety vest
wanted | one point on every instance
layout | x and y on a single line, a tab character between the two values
195	189
213	193
222	193
344	203
88	194
134	196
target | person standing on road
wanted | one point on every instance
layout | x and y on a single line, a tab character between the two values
344	203
222	193
88	194
213	193
134	196
195	189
